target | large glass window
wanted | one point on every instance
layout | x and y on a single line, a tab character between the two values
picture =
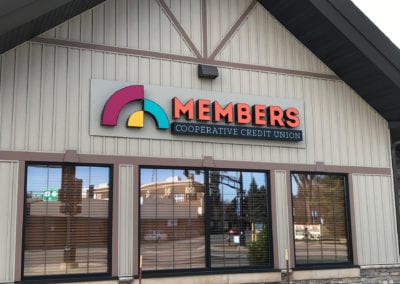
67	220
321	219
172	219
201	219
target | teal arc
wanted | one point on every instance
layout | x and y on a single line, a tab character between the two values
157	113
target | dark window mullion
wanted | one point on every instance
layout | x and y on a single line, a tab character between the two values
45	228
207	219
173	218
346	202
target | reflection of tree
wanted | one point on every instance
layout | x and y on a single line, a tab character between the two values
237	204
333	205
259	249
215	203
70	196
223	211
254	203
245	208
320	197
231	214
305	186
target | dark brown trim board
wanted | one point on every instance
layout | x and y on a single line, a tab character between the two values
204	27
173	162
180	58
233	29
178	27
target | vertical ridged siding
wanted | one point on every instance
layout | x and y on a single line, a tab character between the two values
45	93
141	24
375	220
282	216
134	24
262	40
8	211
125	221
221	17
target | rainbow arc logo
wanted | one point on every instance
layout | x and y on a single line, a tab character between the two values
129	94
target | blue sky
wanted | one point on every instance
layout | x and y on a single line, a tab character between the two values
40	178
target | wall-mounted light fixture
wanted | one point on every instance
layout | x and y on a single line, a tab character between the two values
207	71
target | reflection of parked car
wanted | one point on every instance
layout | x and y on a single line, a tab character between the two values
307	232
299	236
233	232
155	235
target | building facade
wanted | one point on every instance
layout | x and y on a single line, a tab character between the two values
118	161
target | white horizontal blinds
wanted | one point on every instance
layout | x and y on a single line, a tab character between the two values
172	234
66	220
320	219
240	232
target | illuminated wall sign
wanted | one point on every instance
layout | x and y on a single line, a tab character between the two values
123	109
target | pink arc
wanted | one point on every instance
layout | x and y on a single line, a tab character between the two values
118	100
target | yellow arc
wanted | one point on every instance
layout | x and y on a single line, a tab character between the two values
136	119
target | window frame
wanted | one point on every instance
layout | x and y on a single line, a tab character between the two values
347	221
84	276
207	234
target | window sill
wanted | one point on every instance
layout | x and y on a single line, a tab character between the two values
68	279
325	273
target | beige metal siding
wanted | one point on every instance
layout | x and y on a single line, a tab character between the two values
45	102
142	24
221	17
135	24
282	216
125	221
263	40
8	211
375	220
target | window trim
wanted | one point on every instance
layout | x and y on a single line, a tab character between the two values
207	267
348	222
84	276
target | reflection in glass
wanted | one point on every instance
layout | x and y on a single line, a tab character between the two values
320	219
172	234
240	233
66	221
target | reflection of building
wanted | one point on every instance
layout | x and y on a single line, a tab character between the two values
174	207
45	222
100	191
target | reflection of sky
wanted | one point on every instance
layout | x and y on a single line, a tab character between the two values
160	175
230	193
294	186
40	178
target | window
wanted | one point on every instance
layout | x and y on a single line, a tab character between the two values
172	231
239	222
204	220
66	220
321	220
